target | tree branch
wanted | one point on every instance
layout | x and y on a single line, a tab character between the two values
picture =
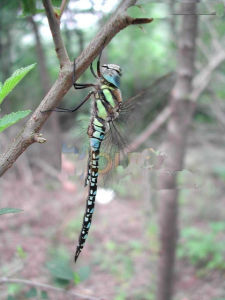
203	78
151	128
6	280
62	7
61	86
54	25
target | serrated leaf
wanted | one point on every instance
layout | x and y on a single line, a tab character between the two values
8	210
12	118
13	80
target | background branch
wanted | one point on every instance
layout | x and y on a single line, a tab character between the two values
62	7
6	280
150	129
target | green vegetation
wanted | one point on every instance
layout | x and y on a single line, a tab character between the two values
204	251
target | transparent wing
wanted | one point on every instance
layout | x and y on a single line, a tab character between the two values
136	113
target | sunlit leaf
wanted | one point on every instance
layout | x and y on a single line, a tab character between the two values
12	118
76	279
13	80
21	253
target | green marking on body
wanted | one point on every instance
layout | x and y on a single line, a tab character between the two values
97	134
102	113
97	123
109	97
104	86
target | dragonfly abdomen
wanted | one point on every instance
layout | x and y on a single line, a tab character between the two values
97	133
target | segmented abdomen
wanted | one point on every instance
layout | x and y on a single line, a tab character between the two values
106	107
96	138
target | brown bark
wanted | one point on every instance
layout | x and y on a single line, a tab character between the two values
177	131
54	138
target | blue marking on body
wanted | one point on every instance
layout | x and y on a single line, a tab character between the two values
95	143
115	80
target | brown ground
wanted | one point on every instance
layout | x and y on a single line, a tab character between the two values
120	257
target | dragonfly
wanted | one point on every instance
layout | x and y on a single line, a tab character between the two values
106	107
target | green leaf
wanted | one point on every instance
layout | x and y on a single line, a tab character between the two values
219	8
84	273
76	279
9	210
12	118
21	253
11	298
31	293
56	3
12	81
44	295
60	270
29	7
14	288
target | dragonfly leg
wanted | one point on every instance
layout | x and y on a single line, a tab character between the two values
61	109
79	86
99	60
92	70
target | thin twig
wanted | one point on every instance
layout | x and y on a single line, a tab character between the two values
62	7
118	21
55	29
152	128
202	79
6	280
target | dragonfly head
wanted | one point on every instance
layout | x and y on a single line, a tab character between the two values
112	73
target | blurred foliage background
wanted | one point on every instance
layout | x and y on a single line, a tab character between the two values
120	261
